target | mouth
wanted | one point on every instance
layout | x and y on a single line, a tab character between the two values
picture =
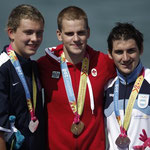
127	66
33	46
77	45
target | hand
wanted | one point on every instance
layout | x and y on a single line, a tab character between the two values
2	142
144	136
139	147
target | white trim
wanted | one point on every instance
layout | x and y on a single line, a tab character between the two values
50	53
4	129
3	58
91	95
147	75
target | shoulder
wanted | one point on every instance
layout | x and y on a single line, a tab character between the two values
3	58
110	83
99	56
147	75
50	54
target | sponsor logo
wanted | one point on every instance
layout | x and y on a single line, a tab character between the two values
14	84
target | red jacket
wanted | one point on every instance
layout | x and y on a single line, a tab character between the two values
60	115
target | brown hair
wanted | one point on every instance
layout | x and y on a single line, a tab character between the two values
125	31
23	11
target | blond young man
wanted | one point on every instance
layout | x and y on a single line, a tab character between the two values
73	76
20	91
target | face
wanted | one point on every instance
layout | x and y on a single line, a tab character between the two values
74	36
126	55
27	38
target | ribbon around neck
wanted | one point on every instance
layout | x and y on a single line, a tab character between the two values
76	106
131	101
20	73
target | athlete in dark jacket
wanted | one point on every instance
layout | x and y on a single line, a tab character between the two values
20	90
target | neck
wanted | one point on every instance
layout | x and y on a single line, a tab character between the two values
13	47
74	58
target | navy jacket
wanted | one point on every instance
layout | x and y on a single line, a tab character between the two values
13	101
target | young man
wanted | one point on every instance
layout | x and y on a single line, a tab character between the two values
20	90
127	106
73	76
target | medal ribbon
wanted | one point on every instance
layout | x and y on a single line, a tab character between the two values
77	107
131	101
19	71
34	91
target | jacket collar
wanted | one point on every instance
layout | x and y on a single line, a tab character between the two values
55	52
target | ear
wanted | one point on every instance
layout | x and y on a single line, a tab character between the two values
88	32
10	33
142	49
59	33
109	54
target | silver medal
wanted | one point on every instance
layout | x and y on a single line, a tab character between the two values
33	125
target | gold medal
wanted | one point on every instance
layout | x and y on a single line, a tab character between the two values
77	129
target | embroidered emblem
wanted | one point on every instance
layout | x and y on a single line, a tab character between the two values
55	74
143	100
94	72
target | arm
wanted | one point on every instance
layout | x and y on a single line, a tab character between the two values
4	107
2	142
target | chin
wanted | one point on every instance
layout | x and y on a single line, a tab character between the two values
126	72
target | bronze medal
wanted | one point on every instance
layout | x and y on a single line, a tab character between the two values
77	129
122	142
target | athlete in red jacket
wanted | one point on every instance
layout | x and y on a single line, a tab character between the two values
73	76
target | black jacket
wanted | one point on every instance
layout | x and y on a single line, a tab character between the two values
13	101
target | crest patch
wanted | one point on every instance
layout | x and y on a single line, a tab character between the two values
143	100
55	74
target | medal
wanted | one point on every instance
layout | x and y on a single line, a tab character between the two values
77	128
122	142
76	106
33	125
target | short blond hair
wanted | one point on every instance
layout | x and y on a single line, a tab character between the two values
72	13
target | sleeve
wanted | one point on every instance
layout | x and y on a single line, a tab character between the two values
4	99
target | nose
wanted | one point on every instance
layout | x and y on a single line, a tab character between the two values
34	37
76	37
125	56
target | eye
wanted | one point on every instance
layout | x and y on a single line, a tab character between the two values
81	33
28	32
69	33
119	52
40	33
132	50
